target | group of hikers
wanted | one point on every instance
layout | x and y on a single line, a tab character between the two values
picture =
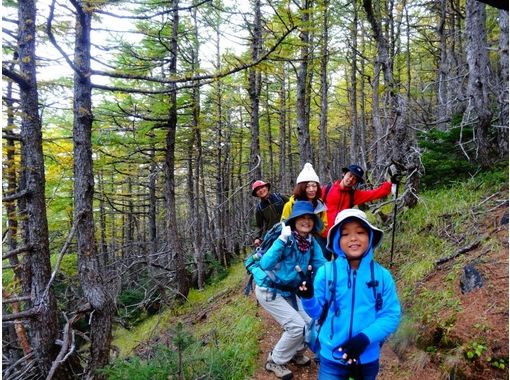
319	273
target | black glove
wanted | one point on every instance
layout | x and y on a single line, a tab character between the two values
352	349
394	174
306	283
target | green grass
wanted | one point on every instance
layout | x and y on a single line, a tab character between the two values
444	220
127	340
223	346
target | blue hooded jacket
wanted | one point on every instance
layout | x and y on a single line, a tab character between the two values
353	310
280	261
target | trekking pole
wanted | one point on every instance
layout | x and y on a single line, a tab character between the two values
394	219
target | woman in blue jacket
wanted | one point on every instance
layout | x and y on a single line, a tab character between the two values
277	280
364	309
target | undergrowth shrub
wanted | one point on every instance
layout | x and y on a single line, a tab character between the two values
223	347
444	156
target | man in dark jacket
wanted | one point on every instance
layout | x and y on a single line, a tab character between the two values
269	210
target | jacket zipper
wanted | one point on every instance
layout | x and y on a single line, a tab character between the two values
352	302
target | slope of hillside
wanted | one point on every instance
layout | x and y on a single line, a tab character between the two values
454	239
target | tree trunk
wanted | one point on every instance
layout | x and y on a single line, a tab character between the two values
221	155
303	88
174	242
197	237
44	327
89	268
254	87
282	119
503	92
478	63
442	115
363	124
267	104
323	157
353	95
404	152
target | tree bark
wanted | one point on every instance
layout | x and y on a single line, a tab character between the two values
89	267
503	92
254	87
478	63
174	242
323	157
44	327
303	88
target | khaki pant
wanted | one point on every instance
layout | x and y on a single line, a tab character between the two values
292	321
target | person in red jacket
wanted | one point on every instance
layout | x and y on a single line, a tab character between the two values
342	194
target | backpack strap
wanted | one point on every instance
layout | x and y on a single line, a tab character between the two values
373	283
326	192
351	197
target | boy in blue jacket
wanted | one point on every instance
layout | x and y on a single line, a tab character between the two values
365	308
277	282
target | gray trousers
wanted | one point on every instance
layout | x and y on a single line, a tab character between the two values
292	321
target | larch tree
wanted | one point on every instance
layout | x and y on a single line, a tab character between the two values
195	161
90	270
35	271
174	243
502	135
478	111
303	89
254	88
323	156
402	147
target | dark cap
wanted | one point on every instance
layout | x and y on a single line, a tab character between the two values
356	171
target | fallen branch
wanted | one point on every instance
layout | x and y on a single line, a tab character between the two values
17	251
461	251
68	346
13	197
30	313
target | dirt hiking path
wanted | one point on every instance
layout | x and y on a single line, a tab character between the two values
272	335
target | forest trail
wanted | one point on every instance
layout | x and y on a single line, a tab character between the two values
485	308
389	359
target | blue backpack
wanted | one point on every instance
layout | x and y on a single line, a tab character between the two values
253	260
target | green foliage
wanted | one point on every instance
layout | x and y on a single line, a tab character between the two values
224	347
475	350
130	307
500	363
218	271
68	265
444	156
127	340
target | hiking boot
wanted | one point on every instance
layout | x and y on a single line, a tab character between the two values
280	370
301	359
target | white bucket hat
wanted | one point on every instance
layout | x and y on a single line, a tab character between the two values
348	213
308	174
